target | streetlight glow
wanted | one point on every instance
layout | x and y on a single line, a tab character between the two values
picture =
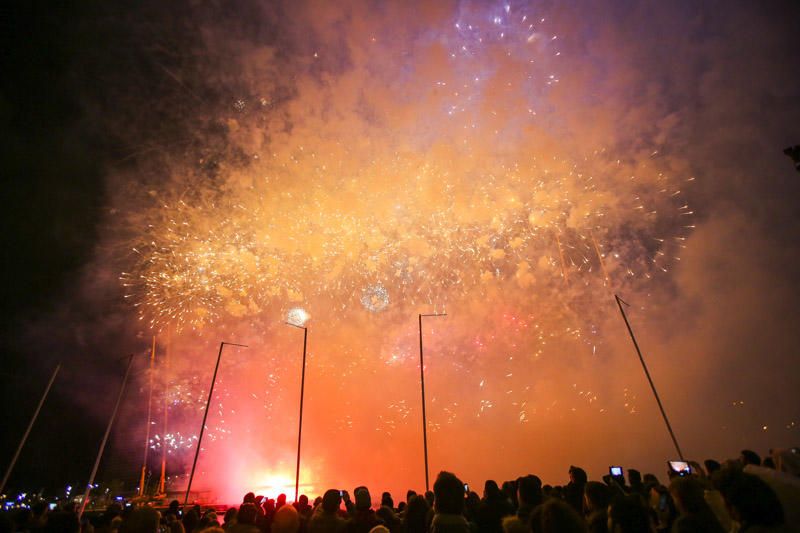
297	317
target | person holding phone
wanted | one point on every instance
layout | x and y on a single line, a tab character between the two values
449	505
327	519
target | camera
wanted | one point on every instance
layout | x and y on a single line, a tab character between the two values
615	471
681	468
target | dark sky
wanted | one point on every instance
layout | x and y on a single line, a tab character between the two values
96	98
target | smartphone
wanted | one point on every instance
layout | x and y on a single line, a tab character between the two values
466	488
681	468
615	471
341	494
52	506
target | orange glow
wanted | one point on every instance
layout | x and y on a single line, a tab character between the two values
425	175
272	484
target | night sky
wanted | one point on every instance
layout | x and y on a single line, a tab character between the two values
157	154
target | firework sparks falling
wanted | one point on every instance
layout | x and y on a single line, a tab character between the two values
421	230
375	298
429	210
402	183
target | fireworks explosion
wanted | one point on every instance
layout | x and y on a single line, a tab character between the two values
420	235
387	185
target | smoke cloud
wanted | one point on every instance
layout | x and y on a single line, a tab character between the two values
511	164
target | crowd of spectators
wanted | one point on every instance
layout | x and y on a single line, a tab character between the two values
742	495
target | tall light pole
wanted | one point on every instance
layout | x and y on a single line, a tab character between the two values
28	430
620	301
205	416
297	319
105	437
422	387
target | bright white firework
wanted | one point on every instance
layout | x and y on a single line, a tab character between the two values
375	298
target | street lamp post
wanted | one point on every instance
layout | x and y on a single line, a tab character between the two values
302	392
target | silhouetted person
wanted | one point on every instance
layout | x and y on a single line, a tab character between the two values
555	516
363	518
471	506
64	522
573	492
529	496
349	506
286	520
650	479
695	514
141	520
326	517
711	466
410	494
662	506
635	482
627	514
302	507
387	515
430	497
191	519
387	501
415	519
38	516
209	519
267	511
280	502
174	525
492	509
597	496
750	500
229	519
448	505
794	153
509	490
174	509
246	519
749	457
